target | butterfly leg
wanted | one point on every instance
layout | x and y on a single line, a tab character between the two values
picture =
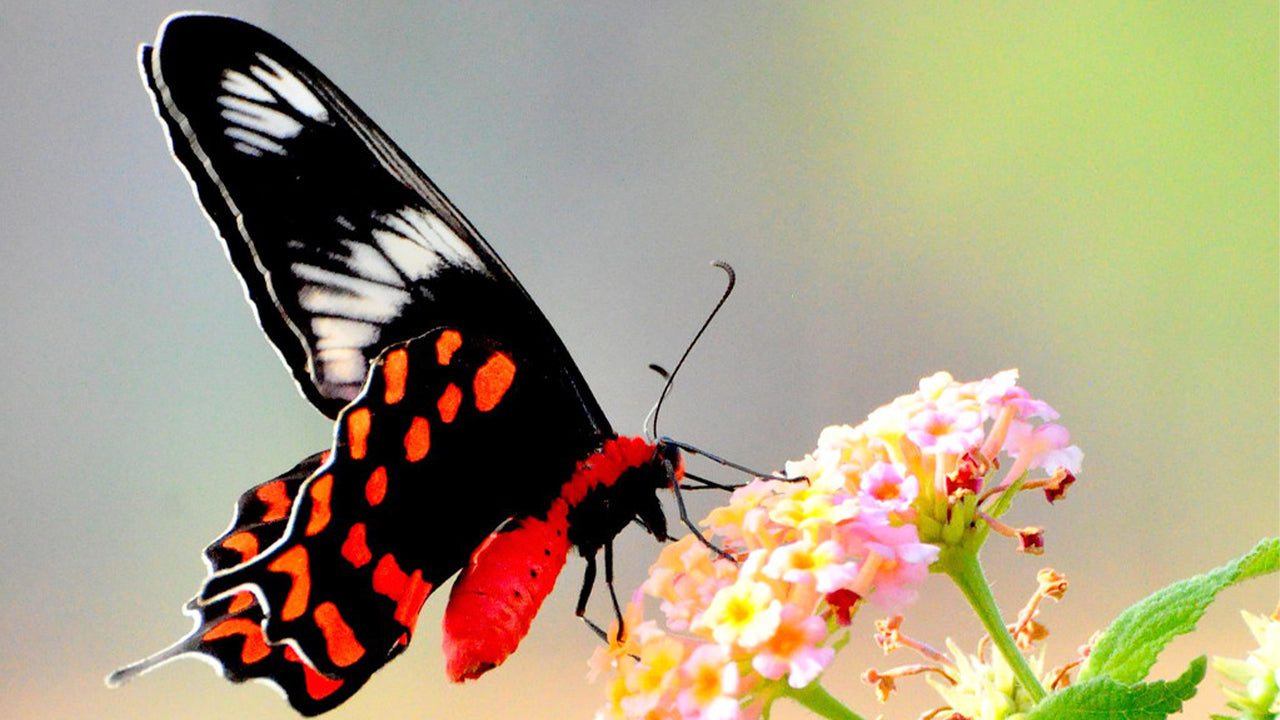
613	594
584	594
688	523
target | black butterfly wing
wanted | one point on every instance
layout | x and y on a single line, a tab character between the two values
344	246
319	581
353	260
229	630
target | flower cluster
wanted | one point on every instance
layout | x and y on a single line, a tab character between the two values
1253	684
873	509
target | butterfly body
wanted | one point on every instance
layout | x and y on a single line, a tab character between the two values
466	440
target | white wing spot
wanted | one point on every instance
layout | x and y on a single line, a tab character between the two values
344	296
419	242
332	332
253	143
291	88
256	118
342	366
365	260
261	107
414	260
236	82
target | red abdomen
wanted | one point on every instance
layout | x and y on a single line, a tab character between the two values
495	598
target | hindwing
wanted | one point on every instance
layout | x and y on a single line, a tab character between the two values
319	581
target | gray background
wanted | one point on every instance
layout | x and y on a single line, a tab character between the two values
1088	195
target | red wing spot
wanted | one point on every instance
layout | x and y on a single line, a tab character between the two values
492	380
389	579
418	440
449	403
343	647
318	686
321	491
376	488
358	432
243	542
446	344
255	643
324	457
294	563
415	595
356	548
243	600
276	499
395	371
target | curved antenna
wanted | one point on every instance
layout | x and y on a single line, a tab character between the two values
652	419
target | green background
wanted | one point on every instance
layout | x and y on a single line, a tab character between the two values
1085	191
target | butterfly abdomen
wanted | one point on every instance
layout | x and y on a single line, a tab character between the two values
497	595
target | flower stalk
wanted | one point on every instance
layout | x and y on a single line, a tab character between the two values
965	570
817	700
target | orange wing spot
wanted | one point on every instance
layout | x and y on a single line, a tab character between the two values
418	440
343	647
243	600
492	381
389	579
294	563
358	432
446	344
255	643
318	686
321	491
276	499
449	403
356	547
376	488
415	594
395	371
243	542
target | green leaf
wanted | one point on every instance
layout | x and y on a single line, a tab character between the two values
1127	650
1103	697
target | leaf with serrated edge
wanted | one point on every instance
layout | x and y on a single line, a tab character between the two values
1129	647
1105	698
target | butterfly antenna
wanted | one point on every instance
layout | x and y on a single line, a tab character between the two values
652	420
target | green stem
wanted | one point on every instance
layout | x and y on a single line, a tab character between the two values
816	698
965	570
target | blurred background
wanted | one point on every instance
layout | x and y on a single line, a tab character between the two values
1084	191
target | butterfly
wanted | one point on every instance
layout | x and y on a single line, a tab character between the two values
466	441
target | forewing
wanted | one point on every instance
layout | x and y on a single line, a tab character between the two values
343	245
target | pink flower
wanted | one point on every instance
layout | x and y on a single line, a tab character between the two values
793	650
951	430
744	614
1043	446
711	685
896	563
1001	391
888	487
822	567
